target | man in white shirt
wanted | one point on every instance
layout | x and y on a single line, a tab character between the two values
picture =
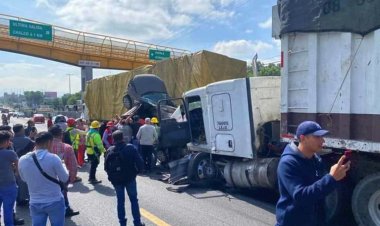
46	199
147	135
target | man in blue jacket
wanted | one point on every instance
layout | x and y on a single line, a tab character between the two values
302	184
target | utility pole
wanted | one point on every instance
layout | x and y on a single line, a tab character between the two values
69	82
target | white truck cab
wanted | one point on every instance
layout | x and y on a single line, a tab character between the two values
228	126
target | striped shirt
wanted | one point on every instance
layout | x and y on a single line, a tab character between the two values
66	153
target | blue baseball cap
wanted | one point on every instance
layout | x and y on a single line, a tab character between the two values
310	128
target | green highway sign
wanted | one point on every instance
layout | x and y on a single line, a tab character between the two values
155	54
24	29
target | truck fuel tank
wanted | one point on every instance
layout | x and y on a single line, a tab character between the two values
254	173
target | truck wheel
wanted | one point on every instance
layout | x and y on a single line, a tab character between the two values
366	201
127	101
201	171
161	157
337	203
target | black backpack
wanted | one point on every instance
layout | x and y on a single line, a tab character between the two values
113	165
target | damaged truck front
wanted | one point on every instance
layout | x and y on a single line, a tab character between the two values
142	95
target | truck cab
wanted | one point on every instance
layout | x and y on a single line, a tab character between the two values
225	124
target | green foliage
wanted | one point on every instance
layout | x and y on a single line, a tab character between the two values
65	98
265	70
34	98
270	70
73	98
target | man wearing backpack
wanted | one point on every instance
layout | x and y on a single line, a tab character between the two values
122	164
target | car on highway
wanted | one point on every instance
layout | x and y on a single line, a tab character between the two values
19	114
38	118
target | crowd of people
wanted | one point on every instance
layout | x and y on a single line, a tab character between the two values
37	167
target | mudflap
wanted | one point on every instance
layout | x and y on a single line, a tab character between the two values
178	169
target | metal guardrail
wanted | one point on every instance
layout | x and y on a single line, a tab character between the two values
90	43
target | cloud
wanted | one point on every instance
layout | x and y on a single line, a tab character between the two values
249	31
266	24
277	42
242	49
142	20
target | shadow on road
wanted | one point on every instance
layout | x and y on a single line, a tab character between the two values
80	187
104	190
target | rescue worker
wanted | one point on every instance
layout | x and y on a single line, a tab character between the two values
154	122
72	135
94	149
80	124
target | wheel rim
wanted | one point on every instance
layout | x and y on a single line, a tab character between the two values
374	207
161	156
205	169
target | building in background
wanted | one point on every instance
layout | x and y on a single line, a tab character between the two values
50	95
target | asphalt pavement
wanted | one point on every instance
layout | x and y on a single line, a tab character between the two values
165	204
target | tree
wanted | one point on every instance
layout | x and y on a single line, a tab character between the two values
270	70
73	98
34	98
265	70
65	98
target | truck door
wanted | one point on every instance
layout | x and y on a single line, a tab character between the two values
222	119
174	124
229	114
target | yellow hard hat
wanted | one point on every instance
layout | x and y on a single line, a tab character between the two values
94	124
154	120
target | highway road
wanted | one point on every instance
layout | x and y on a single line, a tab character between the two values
165	204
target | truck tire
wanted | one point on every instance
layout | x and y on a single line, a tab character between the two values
337	203
162	157
366	201
201	171
127	101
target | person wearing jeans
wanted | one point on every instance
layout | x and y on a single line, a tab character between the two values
8	195
131	189
8	187
41	211
46	199
132	164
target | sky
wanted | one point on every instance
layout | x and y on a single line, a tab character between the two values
236	28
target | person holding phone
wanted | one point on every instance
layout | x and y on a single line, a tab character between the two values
301	179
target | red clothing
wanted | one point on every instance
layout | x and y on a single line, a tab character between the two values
81	151
107	137
49	123
66	153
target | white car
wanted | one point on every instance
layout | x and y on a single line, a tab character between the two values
18	114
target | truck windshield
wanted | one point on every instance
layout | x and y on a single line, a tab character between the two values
153	98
